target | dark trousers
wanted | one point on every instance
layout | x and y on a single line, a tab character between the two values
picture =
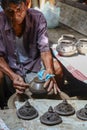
74	87
6	90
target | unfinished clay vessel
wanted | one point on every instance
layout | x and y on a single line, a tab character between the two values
82	46
82	113
66	48
69	37
67	45
64	109
50	117
36	86
27	112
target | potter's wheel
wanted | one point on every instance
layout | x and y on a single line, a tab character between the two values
14	97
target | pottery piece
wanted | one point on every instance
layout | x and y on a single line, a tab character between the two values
82	46
69	37
36	86
50	117
66	48
67	45
27	112
82	113
64	109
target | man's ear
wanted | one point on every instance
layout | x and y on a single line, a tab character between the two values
28	3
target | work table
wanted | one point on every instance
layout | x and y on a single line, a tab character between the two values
69	123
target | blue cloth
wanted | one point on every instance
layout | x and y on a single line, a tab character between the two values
0	7
41	73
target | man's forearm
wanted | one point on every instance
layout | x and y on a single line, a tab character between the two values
48	61
4	67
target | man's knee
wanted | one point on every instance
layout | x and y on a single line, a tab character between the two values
58	68
1	77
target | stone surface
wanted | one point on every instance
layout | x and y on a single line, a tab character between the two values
69	123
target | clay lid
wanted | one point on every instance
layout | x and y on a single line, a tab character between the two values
64	108
82	46
37	80
27	112
50	117
36	87
82	113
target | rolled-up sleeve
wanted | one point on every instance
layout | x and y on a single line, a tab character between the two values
2	46
43	43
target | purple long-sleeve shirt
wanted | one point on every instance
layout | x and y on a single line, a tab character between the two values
35	41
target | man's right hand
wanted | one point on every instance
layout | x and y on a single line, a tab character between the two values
19	84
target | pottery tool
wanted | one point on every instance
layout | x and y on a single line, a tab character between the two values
63	95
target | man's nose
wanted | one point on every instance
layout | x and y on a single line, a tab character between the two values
16	15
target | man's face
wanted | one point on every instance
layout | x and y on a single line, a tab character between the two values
16	13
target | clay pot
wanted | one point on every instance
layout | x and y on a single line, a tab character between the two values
67	45
82	46
36	86
82	113
66	48
69	37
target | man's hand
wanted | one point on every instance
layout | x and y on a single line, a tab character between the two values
51	84
52	66
19	84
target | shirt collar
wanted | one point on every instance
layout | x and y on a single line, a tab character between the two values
7	25
28	20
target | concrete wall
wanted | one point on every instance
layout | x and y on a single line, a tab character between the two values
73	17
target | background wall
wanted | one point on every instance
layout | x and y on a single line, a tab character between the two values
73	17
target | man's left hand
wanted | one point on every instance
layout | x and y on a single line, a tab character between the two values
51	84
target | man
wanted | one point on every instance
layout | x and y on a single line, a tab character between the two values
0	6
24	46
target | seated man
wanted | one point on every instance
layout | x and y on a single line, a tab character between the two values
0	6
24	46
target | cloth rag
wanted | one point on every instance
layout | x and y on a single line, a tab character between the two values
41	75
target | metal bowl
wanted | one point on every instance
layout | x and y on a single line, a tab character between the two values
82	46
66	48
